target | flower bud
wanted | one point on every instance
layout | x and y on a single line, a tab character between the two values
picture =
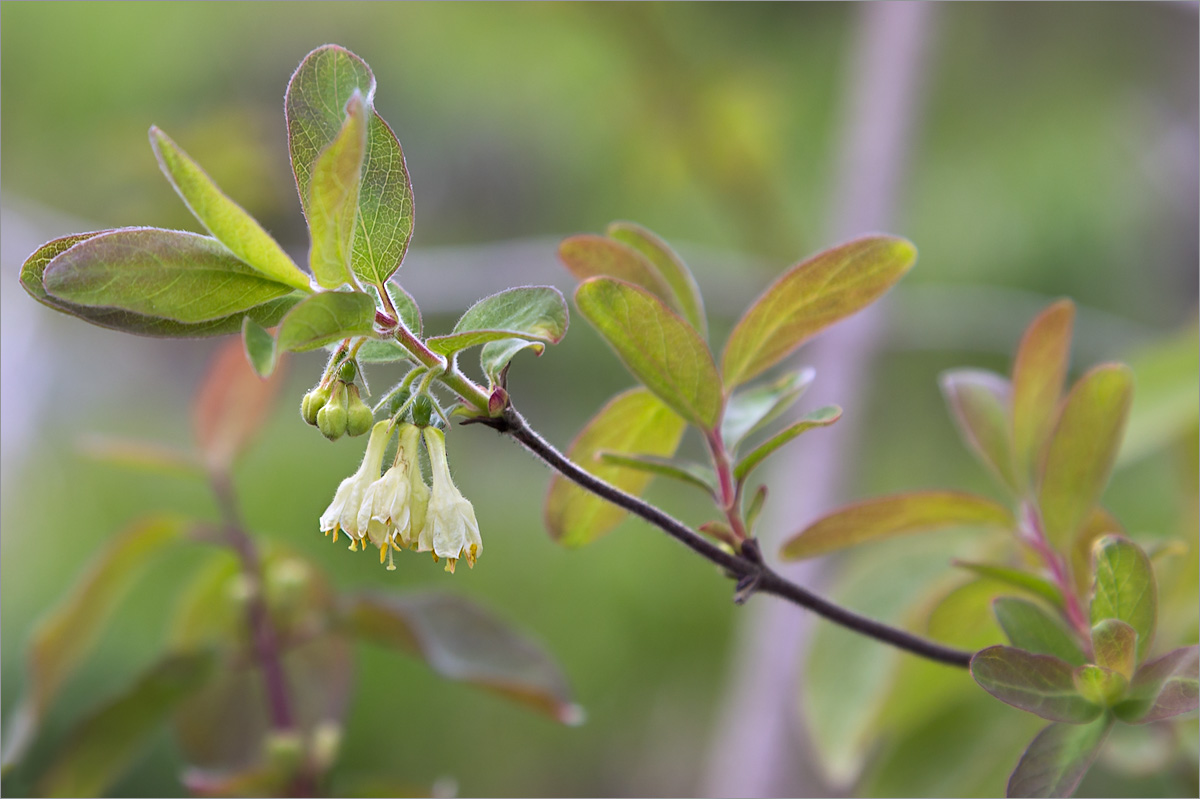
358	414
313	402
398	400
422	411
332	419
347	371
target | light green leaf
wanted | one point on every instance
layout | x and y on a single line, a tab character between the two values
1099	685
672	268
316	95
260	347
1114	646
224	218
979	403
634	422
100	749
382	351
1039	369
64	636
178	276
659	348
884	517
1031	583
1040	684
1124	589
1082	449
333	197
749	410
587	256
461	641
537	313
1031	628
496	355
821	417
1058	758
325	317
691	473
811	296
1162	688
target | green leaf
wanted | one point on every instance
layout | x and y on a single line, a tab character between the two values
691	473
884	517
1124	589
333	197
821	417
316	94
64	636
1114	646
979	402
749	410
587	256
659	348
1040	684
325	317
1058	758
260	347
1167	405
495	355
461	641
224	218
811	296
165	273
672	268
382	351
1082	449
146	456
1102	686
1031	583
269	313
103	746
1039	369
1164	687
537	313
755	507
1031	628
1098	524
633	422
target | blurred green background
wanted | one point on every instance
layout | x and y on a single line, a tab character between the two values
1054	153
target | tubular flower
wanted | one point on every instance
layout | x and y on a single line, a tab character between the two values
342	513
450	526
386	513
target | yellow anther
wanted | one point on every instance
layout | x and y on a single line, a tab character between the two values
383	550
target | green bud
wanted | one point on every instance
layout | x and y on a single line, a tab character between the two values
359	418
398	400
313	402
422	411
332	419
347	371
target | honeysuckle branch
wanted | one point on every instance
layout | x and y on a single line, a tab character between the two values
752	573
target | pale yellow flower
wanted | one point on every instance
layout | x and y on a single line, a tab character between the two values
451	530
386	513
342	513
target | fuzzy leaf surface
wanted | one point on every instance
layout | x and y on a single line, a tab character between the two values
333	197
181	277
1039	369
1031	628
670	266
1040	684
461	641
1124	589
978	401
1058	758
222	217
811	296
661	350
325	317
537	313
495	355
634	422
316	95
884	517
1082	448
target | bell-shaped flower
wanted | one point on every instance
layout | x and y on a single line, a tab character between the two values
450	526
385	515
342	513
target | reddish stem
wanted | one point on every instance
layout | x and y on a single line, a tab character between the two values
1035	535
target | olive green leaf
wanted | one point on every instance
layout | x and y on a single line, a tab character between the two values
325	317
633	422
749	409
1031	628
1040	684
1039	369
658	347
1058	758
537	313
224	218
693	474
1164	687
1124	589
259	345
821	417
672	268
811	296
979	402
333	197
587	256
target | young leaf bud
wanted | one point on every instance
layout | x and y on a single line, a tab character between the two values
312	403
332	419
358	414
422	411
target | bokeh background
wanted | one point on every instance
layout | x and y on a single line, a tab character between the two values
1051	150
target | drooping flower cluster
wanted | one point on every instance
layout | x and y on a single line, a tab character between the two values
398	510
